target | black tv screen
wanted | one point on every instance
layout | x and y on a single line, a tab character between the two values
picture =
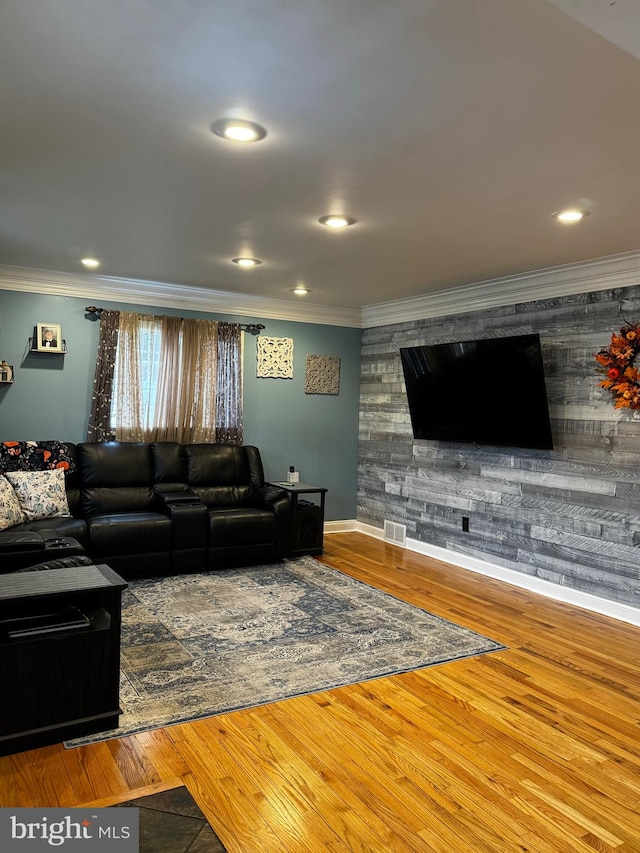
484	392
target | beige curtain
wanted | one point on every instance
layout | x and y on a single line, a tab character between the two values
167	381
187	381
132	406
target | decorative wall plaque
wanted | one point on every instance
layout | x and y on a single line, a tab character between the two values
322	374
275	358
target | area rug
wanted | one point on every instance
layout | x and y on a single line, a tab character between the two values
172	822
202	644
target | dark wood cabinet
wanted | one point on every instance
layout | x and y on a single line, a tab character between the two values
59	655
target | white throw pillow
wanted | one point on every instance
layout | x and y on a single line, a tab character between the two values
41	494
10	512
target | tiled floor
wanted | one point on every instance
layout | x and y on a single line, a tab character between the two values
171	822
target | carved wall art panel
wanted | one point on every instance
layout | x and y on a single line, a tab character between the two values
275	358
322	374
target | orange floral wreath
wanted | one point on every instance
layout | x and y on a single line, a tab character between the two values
616	362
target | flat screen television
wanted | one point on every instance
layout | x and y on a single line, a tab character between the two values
482	392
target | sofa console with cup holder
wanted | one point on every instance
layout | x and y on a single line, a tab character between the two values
145	509
21	549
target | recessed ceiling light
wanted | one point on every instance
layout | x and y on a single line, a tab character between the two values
301	290
336	221
570	215
90	263
238	130
246	262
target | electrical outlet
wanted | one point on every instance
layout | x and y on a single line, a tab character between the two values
465	524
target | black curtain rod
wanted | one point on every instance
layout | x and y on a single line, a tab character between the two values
253	328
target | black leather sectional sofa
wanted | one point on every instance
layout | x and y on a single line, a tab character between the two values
160	508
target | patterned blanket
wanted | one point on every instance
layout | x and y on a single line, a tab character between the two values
34	456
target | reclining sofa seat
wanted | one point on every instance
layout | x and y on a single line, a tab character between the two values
246	520
126	528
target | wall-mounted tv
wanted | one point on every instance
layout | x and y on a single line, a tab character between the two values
483	392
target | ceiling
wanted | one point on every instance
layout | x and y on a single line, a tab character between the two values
450	129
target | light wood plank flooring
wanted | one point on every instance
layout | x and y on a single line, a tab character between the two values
535	748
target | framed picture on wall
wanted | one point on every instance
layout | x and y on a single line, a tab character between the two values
49	337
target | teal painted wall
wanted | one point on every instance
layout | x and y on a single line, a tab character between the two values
317	433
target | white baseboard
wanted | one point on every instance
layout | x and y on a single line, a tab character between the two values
623	612
349	525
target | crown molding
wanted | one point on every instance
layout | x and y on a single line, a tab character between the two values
169	295
621	270
600	274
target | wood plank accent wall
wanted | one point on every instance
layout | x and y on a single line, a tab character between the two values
571	515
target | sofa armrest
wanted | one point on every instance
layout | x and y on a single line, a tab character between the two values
172	498
166	502
183	497
279	502
268	497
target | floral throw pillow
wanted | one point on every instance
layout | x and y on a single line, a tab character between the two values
41	494
10	511
34	456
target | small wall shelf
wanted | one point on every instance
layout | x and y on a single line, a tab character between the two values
53	351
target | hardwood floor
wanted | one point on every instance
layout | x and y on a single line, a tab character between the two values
534	748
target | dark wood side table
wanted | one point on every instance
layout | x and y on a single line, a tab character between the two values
308	517
59	655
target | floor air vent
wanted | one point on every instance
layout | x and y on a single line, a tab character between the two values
394	532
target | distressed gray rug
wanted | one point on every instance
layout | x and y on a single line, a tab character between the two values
203	644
